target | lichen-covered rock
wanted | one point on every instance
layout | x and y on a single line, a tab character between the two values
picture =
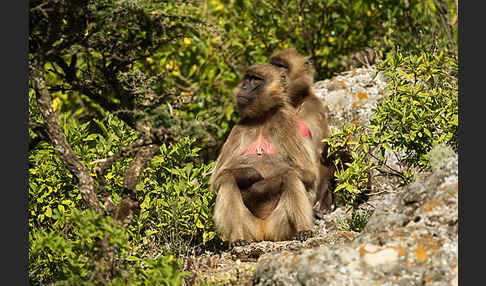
411	239
351	96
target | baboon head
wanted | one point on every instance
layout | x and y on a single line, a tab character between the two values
263	88
299	70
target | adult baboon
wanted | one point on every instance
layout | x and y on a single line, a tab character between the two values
265	173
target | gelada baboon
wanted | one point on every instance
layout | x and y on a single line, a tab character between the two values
265	174
311	112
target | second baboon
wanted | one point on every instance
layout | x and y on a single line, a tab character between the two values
265	172
311	112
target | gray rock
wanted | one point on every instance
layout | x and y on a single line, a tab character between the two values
411	239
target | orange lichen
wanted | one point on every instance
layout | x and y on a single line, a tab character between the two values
362	251
429	278
347	234
430	205
399	249
342	83
362	95
429	243
445	187
420	254
426	236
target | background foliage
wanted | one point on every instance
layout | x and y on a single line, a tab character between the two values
142	93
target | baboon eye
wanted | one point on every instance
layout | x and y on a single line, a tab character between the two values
255	81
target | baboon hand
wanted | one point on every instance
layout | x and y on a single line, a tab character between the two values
303	235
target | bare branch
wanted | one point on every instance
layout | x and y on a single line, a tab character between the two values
138	164
57	138
120	155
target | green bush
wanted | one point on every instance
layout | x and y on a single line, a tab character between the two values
51	185
91	249
355	222
176	201
419	111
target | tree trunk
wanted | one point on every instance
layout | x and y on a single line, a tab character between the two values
62	148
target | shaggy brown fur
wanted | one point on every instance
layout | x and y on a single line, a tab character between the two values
264	193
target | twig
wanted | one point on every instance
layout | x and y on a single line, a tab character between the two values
384	191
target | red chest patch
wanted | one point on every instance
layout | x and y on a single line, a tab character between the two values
260	146
304	130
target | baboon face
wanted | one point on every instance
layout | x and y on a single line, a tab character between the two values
248	91
298	69
262	89
291	60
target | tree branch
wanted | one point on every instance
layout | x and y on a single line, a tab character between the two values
61	146
120	155
129	205
138	164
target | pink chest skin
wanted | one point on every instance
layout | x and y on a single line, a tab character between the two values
304	130
261	146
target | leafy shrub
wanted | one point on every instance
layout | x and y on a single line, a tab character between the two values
327	31
352	177
176	201
91	249
50	188
419	112
421	109
51	185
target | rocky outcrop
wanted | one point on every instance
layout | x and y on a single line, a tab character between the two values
410	239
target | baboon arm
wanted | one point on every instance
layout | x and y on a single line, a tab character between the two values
246	176
231	216
293	212
238	139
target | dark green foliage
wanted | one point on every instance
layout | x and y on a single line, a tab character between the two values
421	109
419	112
51	186
176	202
352	178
